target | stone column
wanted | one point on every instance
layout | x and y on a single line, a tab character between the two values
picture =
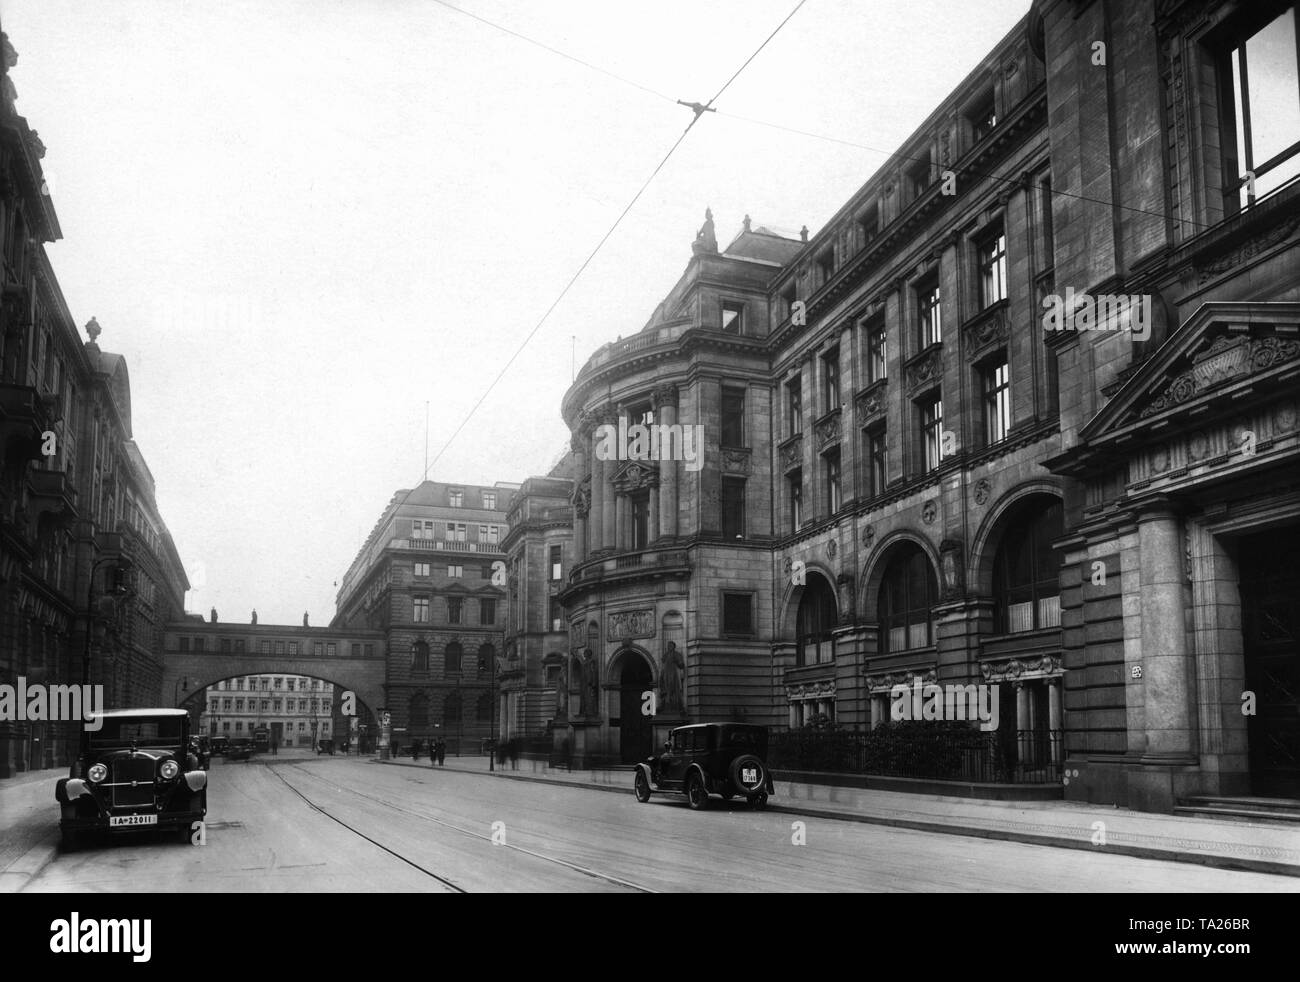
666	413
579	442
652	522
622	519
1024	725
1056	735
608	536
1167	672
596	539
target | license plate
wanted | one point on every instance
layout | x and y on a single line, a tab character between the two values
117	821
749	775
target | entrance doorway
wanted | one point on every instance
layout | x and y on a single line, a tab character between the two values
1270	609
635	731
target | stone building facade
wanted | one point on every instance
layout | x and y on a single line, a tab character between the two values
83	549
431	579
1022	413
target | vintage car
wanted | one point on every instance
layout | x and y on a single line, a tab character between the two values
709	758
220	746
135	770
239	749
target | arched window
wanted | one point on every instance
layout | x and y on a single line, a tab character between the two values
815	621
418	714
484	708
907	593
419	657
451	709
451	658
1026	584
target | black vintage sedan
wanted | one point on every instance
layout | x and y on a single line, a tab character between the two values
709	758
135	770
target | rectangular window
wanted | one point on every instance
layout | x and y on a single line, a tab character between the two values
929	314
921	174
997	402
369	650
239	705
420	610
279	683
733	508
833	499
556	613
422	528
794	405
185	644
869	222
993	269
733	317
225	705
318	649
225	646
356	652
456	572
239	646
487	610
456	498
875	460
737	613
293	648
453	610
557	566
1263	105
788	297
422	569
831	380
640	520
289	684
825	265
275	705
983	117
485	572
456	531
490	500
876	352
279	647
796	501
733	418
198	644
932	432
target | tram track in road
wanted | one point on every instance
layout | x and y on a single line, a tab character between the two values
398	807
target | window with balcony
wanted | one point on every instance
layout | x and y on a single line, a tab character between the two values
1026	569
733	507
931	424
929	315
733	418
992	259
733	317
456	531
995	385
908	594
1260	104
421	528
814	622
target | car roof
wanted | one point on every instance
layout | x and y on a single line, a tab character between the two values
137	713
701	726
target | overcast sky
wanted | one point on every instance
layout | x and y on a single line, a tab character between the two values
300	220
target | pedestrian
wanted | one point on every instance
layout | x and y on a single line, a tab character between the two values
415	750
392	749
442	751
512	746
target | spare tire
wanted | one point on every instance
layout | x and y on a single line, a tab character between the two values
748	774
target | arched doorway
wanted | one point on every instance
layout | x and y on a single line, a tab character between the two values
636	733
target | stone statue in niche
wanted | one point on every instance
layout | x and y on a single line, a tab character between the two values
562	690
590	684
671	680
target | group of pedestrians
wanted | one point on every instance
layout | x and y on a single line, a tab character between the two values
437	750
508	749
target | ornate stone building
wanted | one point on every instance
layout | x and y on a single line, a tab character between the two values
1022	413
76	498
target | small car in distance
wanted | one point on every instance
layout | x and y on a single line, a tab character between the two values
701	759
135	769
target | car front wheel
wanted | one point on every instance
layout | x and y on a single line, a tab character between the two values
697	795
641	787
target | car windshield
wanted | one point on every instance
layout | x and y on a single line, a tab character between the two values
139	732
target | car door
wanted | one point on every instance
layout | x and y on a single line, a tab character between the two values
672	765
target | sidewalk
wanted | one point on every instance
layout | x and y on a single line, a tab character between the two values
29	825
1254	847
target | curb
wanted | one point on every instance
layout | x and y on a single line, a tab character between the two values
29	865
1211	860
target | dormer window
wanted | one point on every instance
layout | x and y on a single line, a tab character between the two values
920	174
983	117
869	223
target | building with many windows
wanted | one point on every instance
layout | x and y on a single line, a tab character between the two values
431	579
1023	413
88	572
292	711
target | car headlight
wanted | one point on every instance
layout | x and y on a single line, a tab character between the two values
96	773
169	770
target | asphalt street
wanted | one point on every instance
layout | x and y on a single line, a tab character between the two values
350	825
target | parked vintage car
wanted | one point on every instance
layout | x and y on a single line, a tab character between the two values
728	759
135	770
220	746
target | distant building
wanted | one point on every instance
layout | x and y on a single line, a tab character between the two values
294	711
424	580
